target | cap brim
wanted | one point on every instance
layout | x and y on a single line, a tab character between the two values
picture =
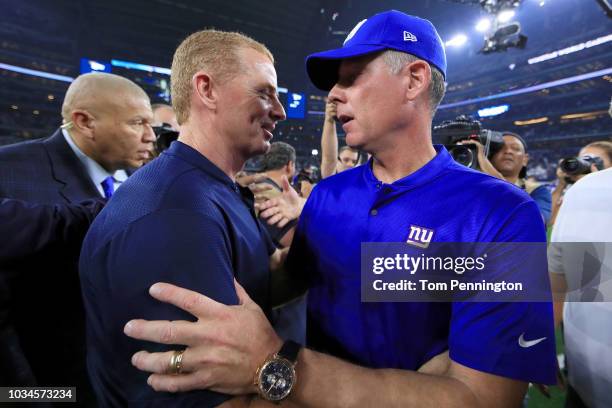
322	67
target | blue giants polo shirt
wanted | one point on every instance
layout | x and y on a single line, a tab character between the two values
459	205
180	220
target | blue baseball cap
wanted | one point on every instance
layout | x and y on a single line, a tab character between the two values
390	30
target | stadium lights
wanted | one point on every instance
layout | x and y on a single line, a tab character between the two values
35	72
493	111
531	121
457	41
483	25
315	152
533	88
503	38
505	15
584	115
505	33
140	67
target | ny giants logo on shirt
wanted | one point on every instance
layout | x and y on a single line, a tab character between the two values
419	236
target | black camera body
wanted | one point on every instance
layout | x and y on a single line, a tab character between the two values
574	166
451	132
164	135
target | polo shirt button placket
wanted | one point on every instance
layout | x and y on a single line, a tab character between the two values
374	212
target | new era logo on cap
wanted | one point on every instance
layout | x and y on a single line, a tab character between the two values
408	36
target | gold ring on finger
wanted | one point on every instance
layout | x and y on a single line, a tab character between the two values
176	362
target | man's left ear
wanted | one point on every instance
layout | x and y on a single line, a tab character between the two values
526	159
418	76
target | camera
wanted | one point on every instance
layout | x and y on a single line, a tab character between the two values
164	135
574	166
450	132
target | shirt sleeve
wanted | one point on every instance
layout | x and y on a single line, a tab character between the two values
555	258
555	249
185	248
34	228
543	199
509	339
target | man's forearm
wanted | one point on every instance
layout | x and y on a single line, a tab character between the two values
36	227
487	167
558	285
556	203
329	148
325	381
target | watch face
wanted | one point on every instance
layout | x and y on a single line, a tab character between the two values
276	379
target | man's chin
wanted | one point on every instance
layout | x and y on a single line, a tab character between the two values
134	164
262	149
354	141
266	147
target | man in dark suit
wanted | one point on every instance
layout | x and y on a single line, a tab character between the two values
34	229
106	131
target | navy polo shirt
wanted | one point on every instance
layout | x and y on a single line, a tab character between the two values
459	205
181	220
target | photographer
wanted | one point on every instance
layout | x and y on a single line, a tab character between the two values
510	163
165	126
593	157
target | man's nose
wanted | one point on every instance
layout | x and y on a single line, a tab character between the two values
149	134
278	112
336	94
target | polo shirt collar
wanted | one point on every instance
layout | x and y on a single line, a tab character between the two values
432	169
197	159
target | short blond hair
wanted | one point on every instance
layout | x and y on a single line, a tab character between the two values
215	51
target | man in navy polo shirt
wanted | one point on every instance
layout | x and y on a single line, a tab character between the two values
182	218
387	81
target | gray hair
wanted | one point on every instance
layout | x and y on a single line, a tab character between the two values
396	60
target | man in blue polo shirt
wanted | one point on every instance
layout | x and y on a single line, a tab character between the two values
182	218
387	81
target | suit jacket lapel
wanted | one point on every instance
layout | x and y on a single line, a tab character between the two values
68	170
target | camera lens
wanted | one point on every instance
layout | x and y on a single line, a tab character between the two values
462	155
570	165
575	165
